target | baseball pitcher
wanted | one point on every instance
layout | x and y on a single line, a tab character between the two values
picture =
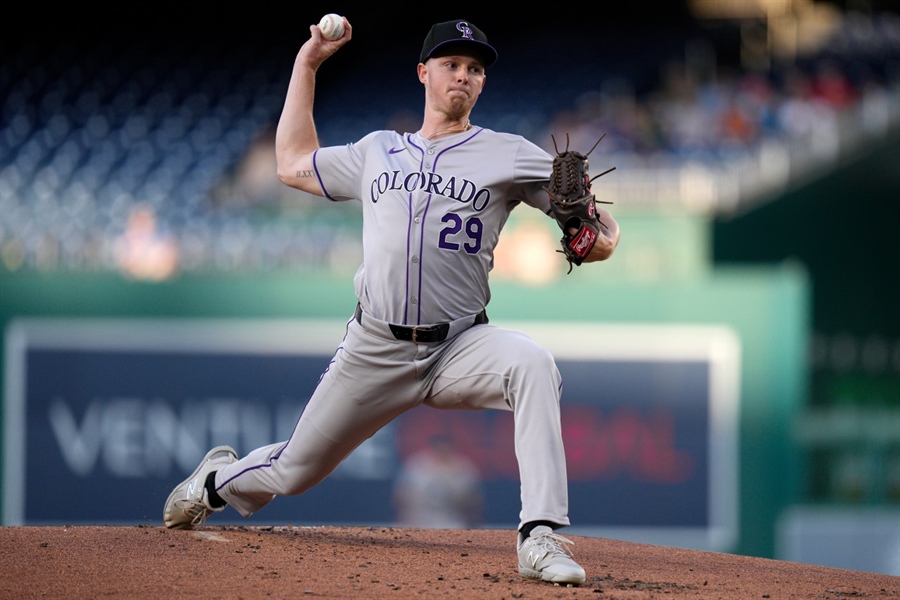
434	202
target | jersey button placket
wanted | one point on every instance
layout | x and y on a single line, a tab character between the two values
413	281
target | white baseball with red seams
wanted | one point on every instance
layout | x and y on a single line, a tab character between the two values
332	26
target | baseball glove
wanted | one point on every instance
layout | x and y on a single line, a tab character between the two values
572	204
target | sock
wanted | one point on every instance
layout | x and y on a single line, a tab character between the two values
527	527
214	499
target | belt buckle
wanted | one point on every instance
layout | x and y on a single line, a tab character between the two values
415	331
425	334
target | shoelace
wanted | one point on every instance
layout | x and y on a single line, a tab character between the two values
197	511
554	544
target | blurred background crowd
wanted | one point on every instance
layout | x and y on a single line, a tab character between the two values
151	152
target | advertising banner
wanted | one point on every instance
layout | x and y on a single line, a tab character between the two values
103	418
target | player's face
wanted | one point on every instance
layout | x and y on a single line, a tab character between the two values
452	83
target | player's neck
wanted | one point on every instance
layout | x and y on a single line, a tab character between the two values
437	131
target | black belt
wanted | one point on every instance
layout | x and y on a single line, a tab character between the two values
425	335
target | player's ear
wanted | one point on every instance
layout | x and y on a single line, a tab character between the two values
422	70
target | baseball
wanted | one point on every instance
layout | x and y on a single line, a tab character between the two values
332	27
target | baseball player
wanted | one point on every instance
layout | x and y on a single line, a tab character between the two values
434	202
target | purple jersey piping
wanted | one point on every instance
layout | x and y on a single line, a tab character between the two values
319	177
409	226
427	205
277	454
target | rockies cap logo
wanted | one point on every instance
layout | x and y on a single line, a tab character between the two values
465	30
454	32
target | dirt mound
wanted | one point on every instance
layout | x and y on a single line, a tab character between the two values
382	562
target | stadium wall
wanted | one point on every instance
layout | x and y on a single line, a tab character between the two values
765	309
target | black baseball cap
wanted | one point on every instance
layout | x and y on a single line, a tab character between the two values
448	34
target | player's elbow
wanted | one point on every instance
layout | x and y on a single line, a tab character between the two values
301	178
286	175
295	169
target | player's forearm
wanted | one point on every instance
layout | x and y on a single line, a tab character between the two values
607	240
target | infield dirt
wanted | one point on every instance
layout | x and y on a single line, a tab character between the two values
382	562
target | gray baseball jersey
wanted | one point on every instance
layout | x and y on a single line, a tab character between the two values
450	206
432	214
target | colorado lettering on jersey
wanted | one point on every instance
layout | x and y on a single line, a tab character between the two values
461	190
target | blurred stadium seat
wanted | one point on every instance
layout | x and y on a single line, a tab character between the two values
90	129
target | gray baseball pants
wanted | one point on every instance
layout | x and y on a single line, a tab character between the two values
373	378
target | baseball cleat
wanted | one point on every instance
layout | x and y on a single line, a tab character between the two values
544	555
188	504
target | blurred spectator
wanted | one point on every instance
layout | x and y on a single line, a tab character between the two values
831	86
144	252
438	488
527	251
254	181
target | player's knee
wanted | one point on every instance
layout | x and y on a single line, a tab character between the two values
533	360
